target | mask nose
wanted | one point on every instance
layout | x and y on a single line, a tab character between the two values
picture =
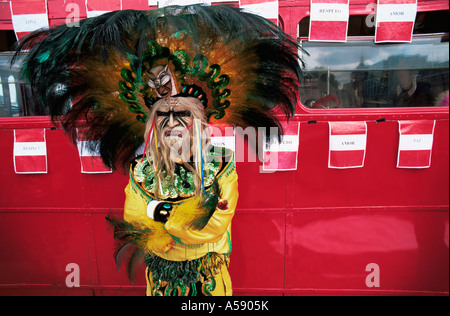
172	122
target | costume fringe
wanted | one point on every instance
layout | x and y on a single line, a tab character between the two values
181	277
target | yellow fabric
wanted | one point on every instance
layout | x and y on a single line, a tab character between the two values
187	244
173	242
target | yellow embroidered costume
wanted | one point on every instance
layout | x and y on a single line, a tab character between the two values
202	255
155	79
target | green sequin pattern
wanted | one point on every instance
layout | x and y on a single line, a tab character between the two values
182	184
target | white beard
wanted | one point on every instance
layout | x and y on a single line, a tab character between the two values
180	148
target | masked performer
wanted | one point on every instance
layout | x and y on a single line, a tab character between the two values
157	79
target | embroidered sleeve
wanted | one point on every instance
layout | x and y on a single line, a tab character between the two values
220	220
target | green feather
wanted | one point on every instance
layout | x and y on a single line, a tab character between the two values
209	204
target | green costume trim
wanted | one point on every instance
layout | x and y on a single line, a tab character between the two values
182	186
181	278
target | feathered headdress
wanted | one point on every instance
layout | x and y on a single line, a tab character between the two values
239	65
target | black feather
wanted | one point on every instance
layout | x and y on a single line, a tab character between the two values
127	251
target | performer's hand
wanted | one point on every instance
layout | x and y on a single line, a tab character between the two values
159	211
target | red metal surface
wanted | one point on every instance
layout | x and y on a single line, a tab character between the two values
309	231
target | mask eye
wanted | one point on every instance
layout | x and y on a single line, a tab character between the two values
151	84
162	114
164	80
182	114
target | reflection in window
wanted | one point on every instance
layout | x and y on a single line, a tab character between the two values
363	74
12	91
16	98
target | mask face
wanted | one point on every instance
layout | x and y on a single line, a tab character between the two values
174	120
161	81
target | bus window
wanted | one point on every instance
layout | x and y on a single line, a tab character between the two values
16	98
361	74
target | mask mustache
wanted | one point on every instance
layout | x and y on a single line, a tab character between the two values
167	131
173	133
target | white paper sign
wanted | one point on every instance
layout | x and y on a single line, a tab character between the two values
330	11
348	142
416	142
30	149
